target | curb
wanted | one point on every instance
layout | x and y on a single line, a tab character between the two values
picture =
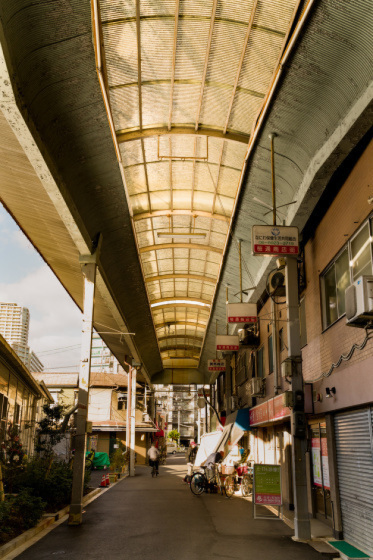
46	524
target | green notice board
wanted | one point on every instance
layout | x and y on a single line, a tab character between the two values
267	485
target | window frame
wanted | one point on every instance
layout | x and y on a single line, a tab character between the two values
332	263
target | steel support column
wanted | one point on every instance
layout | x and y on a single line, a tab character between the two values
302	528
133	422
89	265
128	411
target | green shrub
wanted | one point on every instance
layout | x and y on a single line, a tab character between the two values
51	482
19	513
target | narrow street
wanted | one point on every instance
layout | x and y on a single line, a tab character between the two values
160	519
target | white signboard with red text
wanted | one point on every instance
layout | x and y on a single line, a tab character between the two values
242	313
227	342
275	240
216	365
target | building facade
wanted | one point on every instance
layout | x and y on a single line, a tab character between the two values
21	397
337	359
14	327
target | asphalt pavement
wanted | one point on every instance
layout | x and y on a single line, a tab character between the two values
160	519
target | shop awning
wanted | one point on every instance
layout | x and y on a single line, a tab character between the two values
236	425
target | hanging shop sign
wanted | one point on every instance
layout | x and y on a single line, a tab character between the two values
269	411
227	342
275	240
242	313
216	365
267	485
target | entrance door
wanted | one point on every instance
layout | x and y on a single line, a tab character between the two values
354	442
320	471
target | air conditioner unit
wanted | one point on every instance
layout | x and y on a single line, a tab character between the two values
256	387
248	337
276	283
359	302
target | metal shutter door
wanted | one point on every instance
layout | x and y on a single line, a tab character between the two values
353	432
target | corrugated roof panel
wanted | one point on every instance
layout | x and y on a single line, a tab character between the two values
182	175
185	101
140	203
244	110
274	14
157	36
225	52
158	175
120	42
215	105
125	107
136	182
117	9
131	153
262	52
182	199
238	10
160	200
155	115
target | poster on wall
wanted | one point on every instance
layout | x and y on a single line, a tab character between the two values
216	365
320	462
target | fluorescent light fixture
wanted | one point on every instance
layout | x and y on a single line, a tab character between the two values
177	301
174	235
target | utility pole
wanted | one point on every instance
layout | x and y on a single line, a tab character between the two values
298	419
89	266
133	422
128	415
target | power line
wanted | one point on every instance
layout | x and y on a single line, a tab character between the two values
53	349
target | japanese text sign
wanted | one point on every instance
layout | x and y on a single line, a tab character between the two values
241	313
275	240
216	365
227	342
267	485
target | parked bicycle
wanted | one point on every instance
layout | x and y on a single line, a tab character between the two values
208	479
239	477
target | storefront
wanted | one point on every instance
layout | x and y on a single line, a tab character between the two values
320	479
271	440
354	448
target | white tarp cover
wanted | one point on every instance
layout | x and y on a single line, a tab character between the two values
206	447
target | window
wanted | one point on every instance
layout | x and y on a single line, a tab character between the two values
260	363
120	405
353	261
270	354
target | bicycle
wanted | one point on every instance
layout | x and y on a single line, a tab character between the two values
201	482
242	477
155	472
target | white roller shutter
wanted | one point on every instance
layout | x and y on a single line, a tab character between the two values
354	442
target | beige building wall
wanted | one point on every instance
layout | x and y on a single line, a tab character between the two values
99	408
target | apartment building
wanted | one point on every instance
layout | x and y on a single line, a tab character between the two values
14	327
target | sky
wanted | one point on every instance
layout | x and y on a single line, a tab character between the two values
25	279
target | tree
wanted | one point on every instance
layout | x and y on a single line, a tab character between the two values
174	435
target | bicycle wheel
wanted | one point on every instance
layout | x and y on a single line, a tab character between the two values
229	486
246	485
198	483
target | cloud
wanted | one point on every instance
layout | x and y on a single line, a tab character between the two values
55	320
